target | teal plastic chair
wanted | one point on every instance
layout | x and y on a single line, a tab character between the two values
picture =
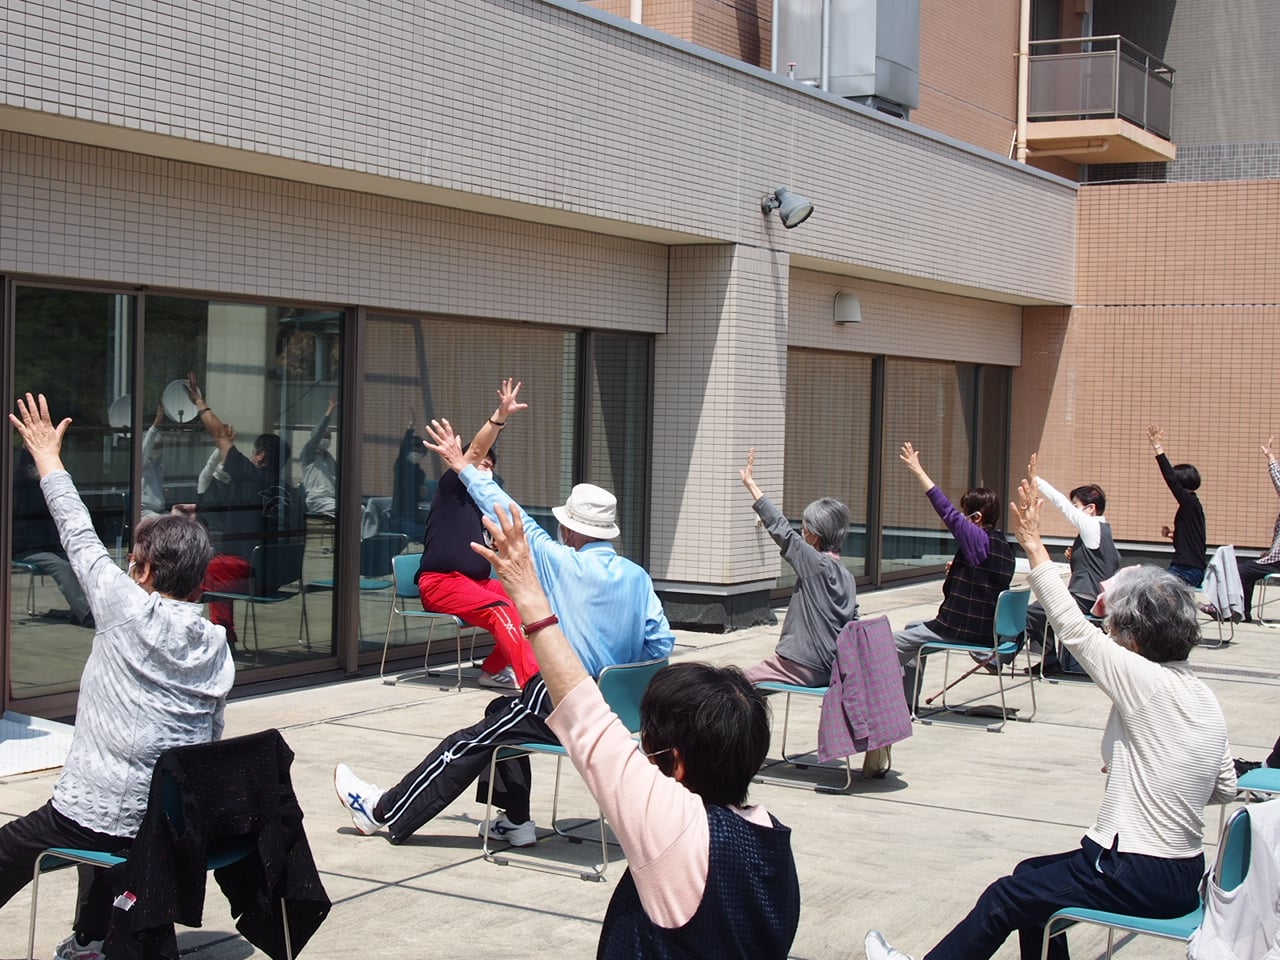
789	690
218	855
1261	782
376	556
1229	871
1009	624
623	687
405	570
273	566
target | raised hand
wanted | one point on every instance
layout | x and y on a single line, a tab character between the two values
1155	433
1268	448
510	556
747	474
193	388
159	416
1027	514
333	405
509	398
43	439
910	457
445	443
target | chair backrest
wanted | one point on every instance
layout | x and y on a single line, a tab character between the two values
275	564
623	685
377	552
1011	612
405	567
1234	851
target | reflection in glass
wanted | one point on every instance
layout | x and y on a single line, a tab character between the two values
269	377
417	369
618	431
72	346
930	405
828	443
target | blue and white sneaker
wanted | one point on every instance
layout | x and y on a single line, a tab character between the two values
517	834
359	798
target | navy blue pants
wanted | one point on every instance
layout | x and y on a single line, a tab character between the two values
1192	576
1089	877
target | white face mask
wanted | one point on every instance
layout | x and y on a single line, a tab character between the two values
415	457
323	444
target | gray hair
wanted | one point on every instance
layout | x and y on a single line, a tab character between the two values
178	550
1154	612
828	519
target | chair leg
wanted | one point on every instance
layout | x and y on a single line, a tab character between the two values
386	642
35	897
288	938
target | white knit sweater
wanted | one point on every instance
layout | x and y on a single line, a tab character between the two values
1165	745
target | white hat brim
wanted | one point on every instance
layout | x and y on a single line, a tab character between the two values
569	522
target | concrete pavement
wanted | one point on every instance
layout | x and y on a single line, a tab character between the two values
908	854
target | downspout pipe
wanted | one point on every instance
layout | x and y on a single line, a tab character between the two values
637	11
1024	65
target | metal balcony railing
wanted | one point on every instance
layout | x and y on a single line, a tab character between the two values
1089	78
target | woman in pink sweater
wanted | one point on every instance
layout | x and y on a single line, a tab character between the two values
708	875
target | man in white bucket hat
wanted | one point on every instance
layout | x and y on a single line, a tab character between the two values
605	605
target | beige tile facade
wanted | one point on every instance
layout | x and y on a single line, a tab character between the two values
1177	322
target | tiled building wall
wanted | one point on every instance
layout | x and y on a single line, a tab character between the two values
1178	322
969	72
900	321
1212	161
83	212
547	108
720	388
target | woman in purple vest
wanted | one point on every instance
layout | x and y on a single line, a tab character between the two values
981	568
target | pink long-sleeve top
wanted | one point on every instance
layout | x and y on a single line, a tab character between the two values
661	825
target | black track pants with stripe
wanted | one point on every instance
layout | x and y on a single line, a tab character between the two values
464	756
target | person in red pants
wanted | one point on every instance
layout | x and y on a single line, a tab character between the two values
453	579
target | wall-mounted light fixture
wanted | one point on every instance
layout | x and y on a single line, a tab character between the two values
848	308
792	208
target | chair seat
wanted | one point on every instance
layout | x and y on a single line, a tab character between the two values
280	596
777	686
366	584
515	750
1176	928
1007	648
1261	778
57	857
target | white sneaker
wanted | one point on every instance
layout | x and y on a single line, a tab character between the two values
70	949
504	679
359	798
517	834
878	948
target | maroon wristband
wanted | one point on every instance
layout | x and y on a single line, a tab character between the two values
531	628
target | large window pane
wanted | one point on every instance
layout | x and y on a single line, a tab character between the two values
833	390
269	373
930	405
417	369
618	430
74	347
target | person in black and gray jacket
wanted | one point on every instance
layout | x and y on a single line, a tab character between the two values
825	598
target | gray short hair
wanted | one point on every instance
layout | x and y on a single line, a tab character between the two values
828	519
1154	611
178	550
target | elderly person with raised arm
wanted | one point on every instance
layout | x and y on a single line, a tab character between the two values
708	874
825	597
1164	752
980	570
608	609
157	677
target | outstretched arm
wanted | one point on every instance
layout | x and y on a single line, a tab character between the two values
974	543
212	425
1180	493
508	403
1089	526
747	474
911	458
312	446
1273	468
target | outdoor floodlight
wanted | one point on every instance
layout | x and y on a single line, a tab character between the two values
792	208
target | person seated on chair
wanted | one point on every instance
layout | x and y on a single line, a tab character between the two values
1165	755
452	579
1093	558
35	538
254	505
157	677
319	468
1251	571
825	598
976	575
1188	532
709	874
610	613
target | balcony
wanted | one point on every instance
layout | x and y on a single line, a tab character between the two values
1099	100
